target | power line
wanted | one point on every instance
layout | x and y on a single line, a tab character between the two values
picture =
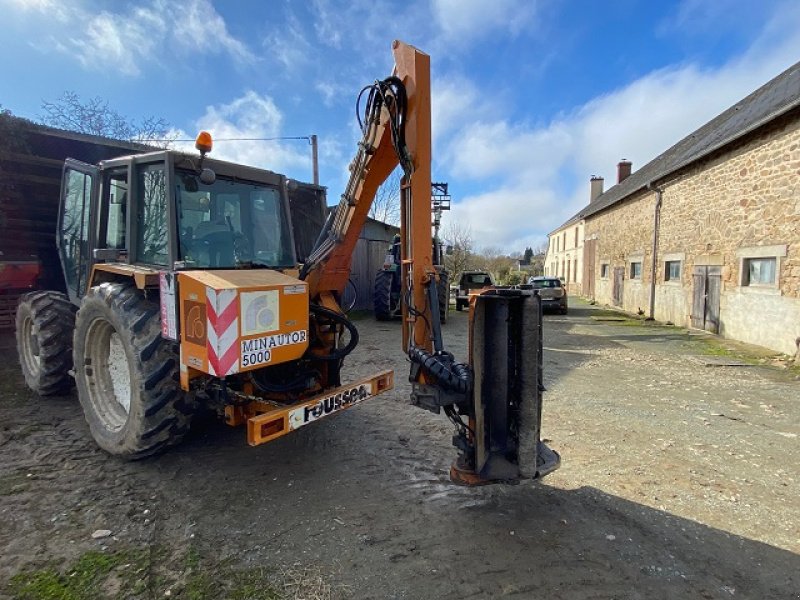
265	139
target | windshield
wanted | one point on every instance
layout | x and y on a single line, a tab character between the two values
231	223
546	283
476	279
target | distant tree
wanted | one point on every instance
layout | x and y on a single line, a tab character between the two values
515	278
537	259
12	132
493	259
386	205
528	255
459	244
96	117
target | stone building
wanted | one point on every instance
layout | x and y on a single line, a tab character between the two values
564	257
707	234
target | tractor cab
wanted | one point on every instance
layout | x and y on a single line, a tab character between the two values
171	211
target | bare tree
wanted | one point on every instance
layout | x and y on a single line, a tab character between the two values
458	240
493	259
537	260
96	117
386	205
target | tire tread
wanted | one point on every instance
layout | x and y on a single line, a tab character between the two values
53	316
166	411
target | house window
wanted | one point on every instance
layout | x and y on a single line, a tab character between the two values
576	237
760	266
568	271
604	271
672	270
636	270
759	271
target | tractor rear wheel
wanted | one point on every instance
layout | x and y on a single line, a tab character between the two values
382	295
127	374
443	293
44	325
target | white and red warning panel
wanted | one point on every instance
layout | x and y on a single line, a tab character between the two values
169	310
232	321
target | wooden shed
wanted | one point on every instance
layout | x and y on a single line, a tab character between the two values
373	244
31	160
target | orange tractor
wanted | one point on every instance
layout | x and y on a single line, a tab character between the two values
184	289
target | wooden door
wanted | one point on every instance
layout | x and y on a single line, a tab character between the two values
707	285
619	278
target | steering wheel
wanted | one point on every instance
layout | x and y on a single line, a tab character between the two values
241	247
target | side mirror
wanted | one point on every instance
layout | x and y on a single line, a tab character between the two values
207	176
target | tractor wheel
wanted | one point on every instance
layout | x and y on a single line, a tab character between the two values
45	321
443	292
382	295
127	374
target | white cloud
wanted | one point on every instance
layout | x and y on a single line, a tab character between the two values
54	9
287	44
123	41
106	41
196	26
466	20
535	177
252	117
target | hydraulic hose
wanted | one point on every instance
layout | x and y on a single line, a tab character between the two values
456	377
340	353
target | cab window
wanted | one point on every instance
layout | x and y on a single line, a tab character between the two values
152	231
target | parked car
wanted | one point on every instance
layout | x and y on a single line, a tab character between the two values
552	292
471	280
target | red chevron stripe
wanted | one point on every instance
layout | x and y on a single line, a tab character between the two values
222	365
221	322
228	360
212	358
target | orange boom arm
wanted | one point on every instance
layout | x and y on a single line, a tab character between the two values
328	268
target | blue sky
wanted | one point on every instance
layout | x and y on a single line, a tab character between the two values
529	98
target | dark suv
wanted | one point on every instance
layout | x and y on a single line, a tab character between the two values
551	291
471	280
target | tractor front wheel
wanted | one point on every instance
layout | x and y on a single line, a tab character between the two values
127	374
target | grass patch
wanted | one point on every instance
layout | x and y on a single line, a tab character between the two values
730	349
154	572
82	581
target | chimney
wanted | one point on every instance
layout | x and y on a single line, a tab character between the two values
623	170
596	188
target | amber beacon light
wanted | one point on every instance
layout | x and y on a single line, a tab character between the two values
203	142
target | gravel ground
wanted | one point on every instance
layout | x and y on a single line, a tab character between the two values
678	480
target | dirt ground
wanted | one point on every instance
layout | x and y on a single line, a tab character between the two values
678	480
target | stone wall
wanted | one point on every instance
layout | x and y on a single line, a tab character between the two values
742	202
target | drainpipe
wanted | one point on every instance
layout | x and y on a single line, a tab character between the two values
653	272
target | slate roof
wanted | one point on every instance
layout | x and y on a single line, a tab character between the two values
767	103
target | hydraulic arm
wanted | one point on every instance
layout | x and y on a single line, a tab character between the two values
495	401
